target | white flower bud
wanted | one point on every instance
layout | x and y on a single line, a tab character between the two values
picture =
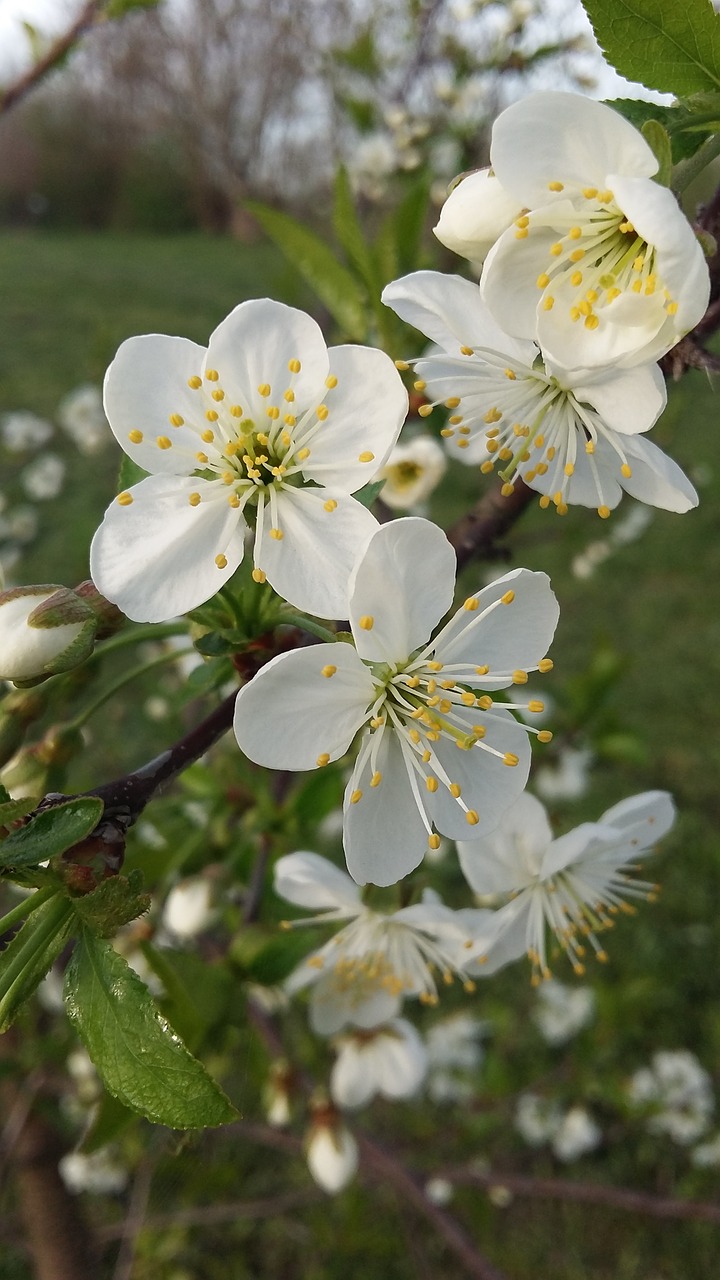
189	907
43	629
332	1153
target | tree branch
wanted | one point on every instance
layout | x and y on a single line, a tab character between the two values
87	18
476	534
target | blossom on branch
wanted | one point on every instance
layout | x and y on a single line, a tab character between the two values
572	435
600	264
360	977
266	429
390	1060
572	887
436	753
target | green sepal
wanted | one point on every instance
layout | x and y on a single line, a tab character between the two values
658	140
137	1055
129	474
369	492
115	902
51	832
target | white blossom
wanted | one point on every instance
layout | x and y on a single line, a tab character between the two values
99	1173
43	478
537	1119
455	1054
389	1060
435	752
568	778
43	629
576	1135
266	428
677	1092
189	907
82	418
562	1011
22	431
412	472
573	434
332	1153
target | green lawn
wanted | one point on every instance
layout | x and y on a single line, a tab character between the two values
651	610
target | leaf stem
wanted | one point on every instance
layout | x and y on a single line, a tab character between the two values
37	941
26	907
308	624
687	170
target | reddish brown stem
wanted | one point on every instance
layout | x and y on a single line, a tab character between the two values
16	92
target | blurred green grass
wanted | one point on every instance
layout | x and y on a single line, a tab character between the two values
67	302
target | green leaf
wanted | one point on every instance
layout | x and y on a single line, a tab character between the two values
369	492
129	474
334	285
11	810
51	832
350	233
671	47
30	954
197	994
139	1058
685	135
115	902
110	1119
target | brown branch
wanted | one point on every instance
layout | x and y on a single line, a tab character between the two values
476	534
216	1214
87	18
622	1198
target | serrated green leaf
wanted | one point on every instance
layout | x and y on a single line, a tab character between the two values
129	474
51	832
685	136
30	954
115	902
334	285
673	48
139	1058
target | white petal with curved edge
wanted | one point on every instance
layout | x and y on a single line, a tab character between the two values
352	1079
290	713
487	785
508	285
310	565
384	835
652	812
155	557
451	312
146	383
628	400
511	637
404	582
366	410
505	859
573	847
475	213
252	347
307	880
681	264
335	1005
656	479
510	938
550	137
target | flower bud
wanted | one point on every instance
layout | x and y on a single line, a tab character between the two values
276	1094
189	907
43	630
332	1152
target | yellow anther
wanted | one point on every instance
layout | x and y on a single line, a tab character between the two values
493	415
221	561
445	706
626	470
562	508
569	469
592	296
233	500
218	395
289	421
176	420
590	192
212	375
328	671
201	457
577	255
510	759
545	664
434	666
273	412
541	468
605	197
576	278
194	499
331	381
575	313
135	437
211	415
508	597
125	499
264	389
591	322
613	293
472	817
551	453
433	841
484	703
431	783
556	186
367	622
208	436
355	797
536	706
543	281
376	780
294	365
236	410
452	403
277	535
522	222
194	382
548	303
322	760
330	505
671	308
520	677
302	454
589	446
289	395
455	420
322	412
425	410
466	351
367	456
163	442
402	365
507	489
556	249
471	604
544	502
603	512
259	576
522	233
420	385
455	789
467	698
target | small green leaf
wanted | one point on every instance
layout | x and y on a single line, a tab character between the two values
129	474
51	832
30	954
11	810
334	285
659	142
671	47
139	1058
115	902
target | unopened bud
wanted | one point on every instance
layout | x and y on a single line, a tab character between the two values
44	629
332	1152
276	1094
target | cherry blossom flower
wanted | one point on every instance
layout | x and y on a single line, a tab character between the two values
389	1060
360	976
475	214
601	264
572	435
677	1093
412	472
435	752
574	886
266	428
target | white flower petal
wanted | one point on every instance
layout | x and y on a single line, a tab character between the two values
307	880
385	837
656	479
565	137
487	785
512	637
366	410
503	860
475	213
290	714
310	565
352	1082
253	346
334	1006
651	812
402	585
146	383
451	312
155	557
573	847
628	400
508	286
332	1157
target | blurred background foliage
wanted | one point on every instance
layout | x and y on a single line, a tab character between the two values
124	190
